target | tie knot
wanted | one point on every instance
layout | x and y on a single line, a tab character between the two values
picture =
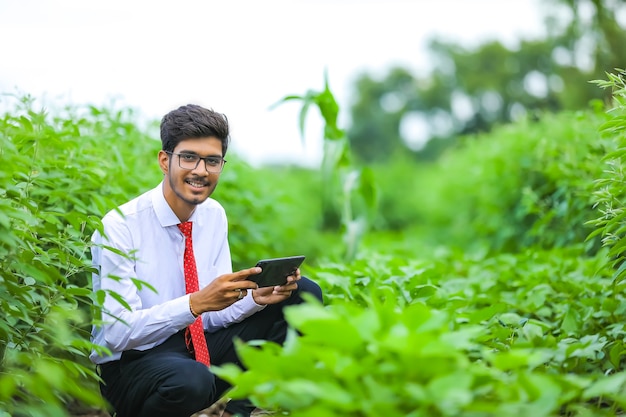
185	228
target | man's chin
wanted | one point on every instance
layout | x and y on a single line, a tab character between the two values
195	200
199	198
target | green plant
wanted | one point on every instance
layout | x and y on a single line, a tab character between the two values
532	327
416	323
349	192
609	192
62	170
534	333
522	185
55	183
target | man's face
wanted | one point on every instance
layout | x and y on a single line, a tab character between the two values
186	188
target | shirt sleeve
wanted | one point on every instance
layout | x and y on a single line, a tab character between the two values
234	313
127	324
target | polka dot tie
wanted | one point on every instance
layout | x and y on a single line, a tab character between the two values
195	329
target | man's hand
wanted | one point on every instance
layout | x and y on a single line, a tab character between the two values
224	291
274	295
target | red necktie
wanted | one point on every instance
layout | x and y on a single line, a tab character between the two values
195	329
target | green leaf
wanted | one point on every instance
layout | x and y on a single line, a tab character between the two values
606	386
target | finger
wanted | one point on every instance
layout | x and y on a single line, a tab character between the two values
282	293
292	279
245	273
247	285
240	293
292	286
264	291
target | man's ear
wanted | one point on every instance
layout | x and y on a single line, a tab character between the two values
164	161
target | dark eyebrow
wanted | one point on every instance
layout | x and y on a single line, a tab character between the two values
196	154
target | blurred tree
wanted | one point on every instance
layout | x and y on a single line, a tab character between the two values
470	90
377	114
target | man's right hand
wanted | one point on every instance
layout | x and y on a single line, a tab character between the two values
224	291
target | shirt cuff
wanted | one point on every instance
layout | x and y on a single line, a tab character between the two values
249	304
184	318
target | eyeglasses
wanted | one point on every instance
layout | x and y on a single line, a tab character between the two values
190	161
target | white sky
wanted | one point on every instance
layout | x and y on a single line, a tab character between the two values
237	57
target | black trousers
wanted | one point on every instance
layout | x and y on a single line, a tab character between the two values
166	381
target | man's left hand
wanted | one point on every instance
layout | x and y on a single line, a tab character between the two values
274	295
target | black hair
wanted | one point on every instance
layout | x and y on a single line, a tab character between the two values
193	121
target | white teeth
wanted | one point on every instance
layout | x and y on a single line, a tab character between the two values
195	184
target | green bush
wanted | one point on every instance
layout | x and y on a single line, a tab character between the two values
609	193
274	211
534	333
526	184
59	175
418	325
532	327
62	170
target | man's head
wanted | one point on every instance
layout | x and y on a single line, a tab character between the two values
194	142
193	121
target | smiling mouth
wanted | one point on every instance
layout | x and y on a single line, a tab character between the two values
197	184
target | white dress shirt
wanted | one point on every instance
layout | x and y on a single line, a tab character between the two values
146	228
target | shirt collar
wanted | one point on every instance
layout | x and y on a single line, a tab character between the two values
163	211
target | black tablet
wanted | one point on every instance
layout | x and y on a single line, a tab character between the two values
276	270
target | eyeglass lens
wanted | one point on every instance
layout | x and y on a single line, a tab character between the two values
191	161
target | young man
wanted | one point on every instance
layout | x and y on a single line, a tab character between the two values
163	336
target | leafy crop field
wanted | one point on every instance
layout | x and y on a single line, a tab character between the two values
488	283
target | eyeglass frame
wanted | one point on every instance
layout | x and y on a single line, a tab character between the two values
200	158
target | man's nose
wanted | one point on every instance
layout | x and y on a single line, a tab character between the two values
201	168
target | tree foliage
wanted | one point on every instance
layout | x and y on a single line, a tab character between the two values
472	89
